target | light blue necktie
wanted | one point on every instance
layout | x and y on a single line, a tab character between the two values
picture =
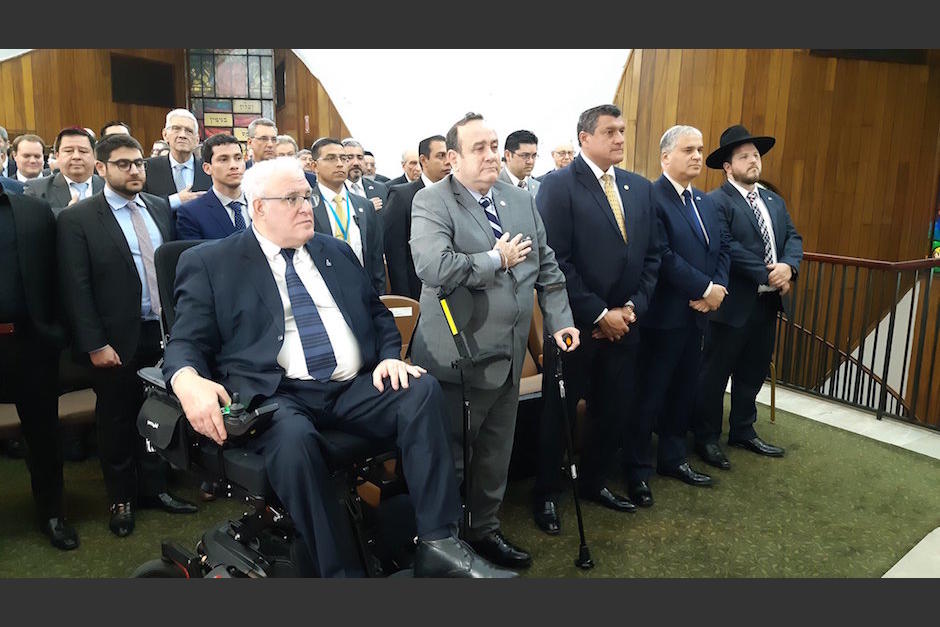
179	177
79	188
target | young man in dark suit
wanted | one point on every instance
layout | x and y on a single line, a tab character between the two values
766	251
178	177
692	281
108	281
30	342
223	210
301	325
396	217
603	228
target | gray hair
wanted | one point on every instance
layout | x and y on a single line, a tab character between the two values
349	141
182	113
287	139
260	122
256	178
671	137
4	135
304	152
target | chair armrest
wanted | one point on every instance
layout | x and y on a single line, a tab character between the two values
153	376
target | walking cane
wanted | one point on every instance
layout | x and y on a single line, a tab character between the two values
583	560
457	313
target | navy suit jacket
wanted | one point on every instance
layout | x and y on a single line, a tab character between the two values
12	186
230	325
600	269
747	249
203	218
688	263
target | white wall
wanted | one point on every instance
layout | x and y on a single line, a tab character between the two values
411	94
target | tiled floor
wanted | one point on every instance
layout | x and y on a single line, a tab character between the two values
924	559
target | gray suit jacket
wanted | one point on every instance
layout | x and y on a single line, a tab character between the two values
55	190
533	185
450	243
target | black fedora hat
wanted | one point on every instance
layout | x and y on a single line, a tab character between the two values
735	136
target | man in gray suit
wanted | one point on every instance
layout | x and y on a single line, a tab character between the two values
74	151
470	229
520	152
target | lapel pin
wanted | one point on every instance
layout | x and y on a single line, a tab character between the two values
370	187
502	203
626	187
328	264
316	200
698	198
360	209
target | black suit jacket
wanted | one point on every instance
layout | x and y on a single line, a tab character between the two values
160	177
374	189
370	230
381	178
36	254
396	218
100	285
230	325
55	190
747	250
400	180
600	269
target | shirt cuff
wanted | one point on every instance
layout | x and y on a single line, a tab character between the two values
179	372
603	313
174	201
497	258
708	290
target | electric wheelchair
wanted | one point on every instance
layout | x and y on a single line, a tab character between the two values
262	543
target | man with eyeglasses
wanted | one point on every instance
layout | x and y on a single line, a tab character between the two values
178	176
76	180
562	155
345	215
520	153
109	289
356	182
263	144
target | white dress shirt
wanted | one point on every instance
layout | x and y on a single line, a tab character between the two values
356	188
354	236
770	227
427	182
515	181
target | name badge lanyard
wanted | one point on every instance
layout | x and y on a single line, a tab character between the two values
344	231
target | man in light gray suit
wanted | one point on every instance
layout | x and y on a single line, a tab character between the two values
520	153
74	151
470	229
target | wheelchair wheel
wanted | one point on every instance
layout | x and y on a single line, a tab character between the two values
160	569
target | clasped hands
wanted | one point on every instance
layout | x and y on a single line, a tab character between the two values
615	324
712	301
512	251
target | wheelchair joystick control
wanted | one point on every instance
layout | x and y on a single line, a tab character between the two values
240	422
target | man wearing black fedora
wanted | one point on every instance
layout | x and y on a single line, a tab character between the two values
765	257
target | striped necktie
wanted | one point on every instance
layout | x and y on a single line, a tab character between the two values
318	351
762	226
236	208
145	245
492	217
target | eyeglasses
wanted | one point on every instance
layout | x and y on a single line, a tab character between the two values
527	156
333	158
176	128
124	165
294	202
563	153
267	139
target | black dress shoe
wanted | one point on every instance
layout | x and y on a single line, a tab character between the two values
168	503
758	446
685	473
610	500
640	493
545	513
61	533
497	549
712	455
451	557
122	519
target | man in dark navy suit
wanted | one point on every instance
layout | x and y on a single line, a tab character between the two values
603	228
765	256
223	210
692	281
300	324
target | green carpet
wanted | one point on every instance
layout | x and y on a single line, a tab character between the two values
838	505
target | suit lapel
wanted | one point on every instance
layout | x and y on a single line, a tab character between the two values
218	212
258	272
109	225
97	183
666	188
326	268
585	176
159	219
465	199
773	208
357	211
321	221
60	195
738	200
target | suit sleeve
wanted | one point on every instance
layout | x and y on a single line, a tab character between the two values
674	269
437	263
186	225
793	245
376	250
554	205
195	334
554	304
75	284
652	260
724	257
743	261
396	241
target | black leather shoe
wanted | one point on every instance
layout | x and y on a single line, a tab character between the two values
640	493
60	532
451	557
497	549
545	513
168	503
685	473
758	446
610	500
712	455
122	519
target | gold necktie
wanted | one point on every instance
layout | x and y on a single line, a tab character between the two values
611	194
338	204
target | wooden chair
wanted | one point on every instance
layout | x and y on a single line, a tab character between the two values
406	311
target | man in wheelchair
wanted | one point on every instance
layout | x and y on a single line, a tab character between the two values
282	315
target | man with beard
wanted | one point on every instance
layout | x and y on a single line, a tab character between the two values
75	156
376	192
178	177
765	256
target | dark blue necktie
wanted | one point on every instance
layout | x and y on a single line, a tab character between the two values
687	200
313	337
492	217
236	208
